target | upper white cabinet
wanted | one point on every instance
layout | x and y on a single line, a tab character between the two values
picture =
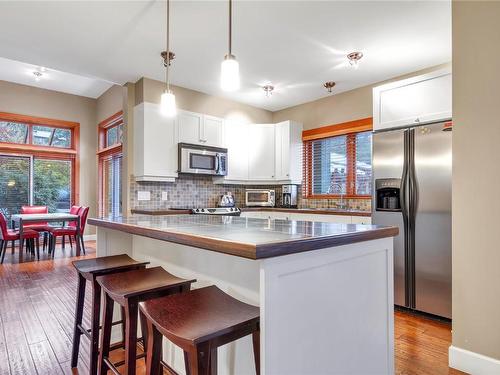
196	128
261	151
422	99
288	144
155	144
236	142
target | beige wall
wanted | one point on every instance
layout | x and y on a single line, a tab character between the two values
347	106
110	102
33	101
148	90
476	177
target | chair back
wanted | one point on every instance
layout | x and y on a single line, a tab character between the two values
83	213
34	210
3	226
74	210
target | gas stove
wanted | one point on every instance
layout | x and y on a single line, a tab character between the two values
225	211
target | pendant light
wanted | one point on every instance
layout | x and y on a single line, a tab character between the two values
167	102
230	69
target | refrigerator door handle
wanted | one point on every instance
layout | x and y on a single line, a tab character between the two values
412	213
403	196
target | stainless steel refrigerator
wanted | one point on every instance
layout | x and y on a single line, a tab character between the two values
412	190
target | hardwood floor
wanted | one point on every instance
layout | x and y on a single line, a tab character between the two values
37	301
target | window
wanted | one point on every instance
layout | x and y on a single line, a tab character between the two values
337	161
110	165
38	163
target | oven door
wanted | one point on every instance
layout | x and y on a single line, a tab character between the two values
201	161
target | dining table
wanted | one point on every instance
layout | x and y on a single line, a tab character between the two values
19	220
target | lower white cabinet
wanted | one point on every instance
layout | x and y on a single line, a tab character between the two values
276	215
155	144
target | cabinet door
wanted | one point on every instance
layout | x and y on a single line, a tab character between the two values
212	131
282	145
261	153
190	127
416	100
236	142
155	144
361	219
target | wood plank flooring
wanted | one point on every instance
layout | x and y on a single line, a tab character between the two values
37	300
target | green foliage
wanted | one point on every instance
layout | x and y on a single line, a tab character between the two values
52	180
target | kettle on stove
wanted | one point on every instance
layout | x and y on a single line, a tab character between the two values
226	200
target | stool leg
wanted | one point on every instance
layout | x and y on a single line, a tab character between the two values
187	363
131	312
144	331
80	299
94	333
213	361
153	359
256	350
106	333
199	360
122	311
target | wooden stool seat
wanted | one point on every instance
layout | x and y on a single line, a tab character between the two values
128	289
200	315
199	322
89	270
139	283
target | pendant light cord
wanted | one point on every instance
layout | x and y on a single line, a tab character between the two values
230	25
168	47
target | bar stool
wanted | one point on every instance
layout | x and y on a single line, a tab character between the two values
90	269
128	289
199	322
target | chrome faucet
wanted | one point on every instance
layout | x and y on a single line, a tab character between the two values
342	205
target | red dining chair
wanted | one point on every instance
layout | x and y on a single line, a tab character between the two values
74	210
39	227
69	231
13	235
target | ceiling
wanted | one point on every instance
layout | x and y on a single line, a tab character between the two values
295	45
51	79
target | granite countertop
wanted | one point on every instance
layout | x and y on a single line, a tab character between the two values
245	237
318	211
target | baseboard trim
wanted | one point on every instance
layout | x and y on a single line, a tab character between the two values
90	237
472	363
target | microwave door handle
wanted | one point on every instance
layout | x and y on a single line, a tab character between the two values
217	163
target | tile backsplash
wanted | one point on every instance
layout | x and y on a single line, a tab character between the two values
200	191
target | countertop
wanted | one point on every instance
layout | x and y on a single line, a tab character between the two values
245	237
318	211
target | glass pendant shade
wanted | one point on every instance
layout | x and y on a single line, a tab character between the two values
167	104
230	74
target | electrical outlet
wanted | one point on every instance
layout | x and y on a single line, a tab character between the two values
143	195
164	195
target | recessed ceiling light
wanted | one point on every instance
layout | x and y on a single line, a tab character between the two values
329	86
268	89
37	75
354	58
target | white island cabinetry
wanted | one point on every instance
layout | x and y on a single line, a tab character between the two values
325	291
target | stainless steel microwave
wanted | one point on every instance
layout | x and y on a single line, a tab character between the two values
196	159
260	197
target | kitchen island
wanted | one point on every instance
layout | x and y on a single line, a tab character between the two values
325	290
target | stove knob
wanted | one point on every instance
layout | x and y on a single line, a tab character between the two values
197	210
202	210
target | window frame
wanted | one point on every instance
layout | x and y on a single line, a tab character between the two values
350	130
105	153
47	152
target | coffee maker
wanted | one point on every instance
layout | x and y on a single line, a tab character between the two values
289	196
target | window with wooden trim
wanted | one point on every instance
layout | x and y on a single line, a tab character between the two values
338	164
110	165
38	163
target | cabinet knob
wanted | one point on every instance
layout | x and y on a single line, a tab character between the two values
287	175
417	120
